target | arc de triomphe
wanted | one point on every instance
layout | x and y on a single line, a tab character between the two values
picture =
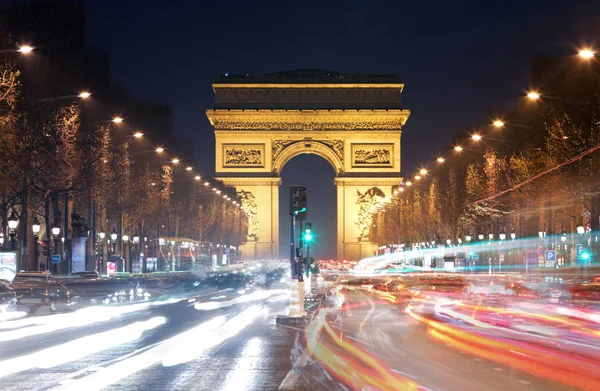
352	121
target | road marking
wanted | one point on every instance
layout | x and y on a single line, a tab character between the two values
498	369
523	381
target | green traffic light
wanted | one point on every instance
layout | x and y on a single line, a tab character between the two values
308	236
585	256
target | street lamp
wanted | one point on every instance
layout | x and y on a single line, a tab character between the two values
586	53
468	238
13	222
125	238
423	171
458	148
117	120
1	239
159	150
55	230
533	95
25	49
580	229
175	161
502	236
480	236
101	235
491	236
499	124
35	227
476	137
513	235
84	94
113	235
563	237
541	234
448	241
136	238
138	134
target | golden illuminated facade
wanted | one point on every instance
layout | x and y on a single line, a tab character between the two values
352	121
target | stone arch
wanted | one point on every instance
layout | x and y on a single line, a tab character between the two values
308	147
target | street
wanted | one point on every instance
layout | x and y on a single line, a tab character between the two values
213	341
377	344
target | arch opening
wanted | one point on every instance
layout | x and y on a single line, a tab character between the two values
308	147
317	174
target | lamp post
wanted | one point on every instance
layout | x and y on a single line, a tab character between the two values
55	235
126	252
1	240
35	227
136	241
13	223
113	239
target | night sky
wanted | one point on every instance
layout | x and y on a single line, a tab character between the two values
460	60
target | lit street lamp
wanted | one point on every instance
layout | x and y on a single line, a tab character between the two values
533	95
586	53
13	223
35	227
117	120
499	124
476	137
25	49
1	239
113	235
84	95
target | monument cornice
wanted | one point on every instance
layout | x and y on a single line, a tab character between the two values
367	181
250	181
399	86
279	119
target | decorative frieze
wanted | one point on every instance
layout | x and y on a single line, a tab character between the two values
299	126
372	155
337	146
243	155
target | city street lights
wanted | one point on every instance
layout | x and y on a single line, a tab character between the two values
13	223
55	234
458	148
533	95
35	227
84	94
25	49
586	54
497	123
117	120
159	150
476	137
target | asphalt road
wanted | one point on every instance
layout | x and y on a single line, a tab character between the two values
385	333
214	341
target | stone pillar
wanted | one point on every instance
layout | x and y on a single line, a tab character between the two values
260	198
355	195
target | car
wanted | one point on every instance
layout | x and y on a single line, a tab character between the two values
41	288
8	297
585	295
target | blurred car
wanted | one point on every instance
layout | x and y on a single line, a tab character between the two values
8	297
35	288
585	295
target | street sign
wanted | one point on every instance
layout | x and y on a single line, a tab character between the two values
579	249
55	258
550	255
540	251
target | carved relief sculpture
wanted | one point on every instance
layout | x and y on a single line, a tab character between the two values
249	204
366	155
263	125
243	155
366	201
336	146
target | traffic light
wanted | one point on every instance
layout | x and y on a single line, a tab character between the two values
308	233
298	202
